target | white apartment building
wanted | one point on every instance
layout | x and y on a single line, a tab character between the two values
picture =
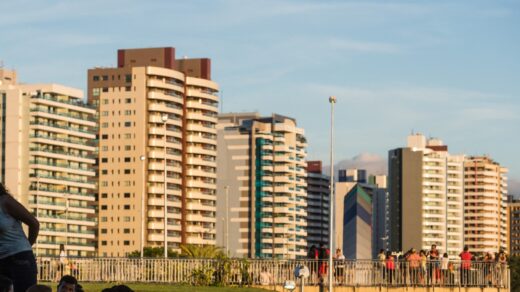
48	156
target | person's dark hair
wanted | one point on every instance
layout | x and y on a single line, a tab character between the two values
3	190
39	288
118	288
466	248
5	284
445	255
388	253
381	250
67	279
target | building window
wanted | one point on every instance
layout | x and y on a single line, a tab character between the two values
105	89
105	160
128	100
95	91
126	242
128	147
103	219
128	78
95	78
104	184
128	124
127	183
126	230
128	159
103	231
127	195
104	113
126	219
128	112
128	171
104	136
128	136
105	77
126	207
103	242
104	125
104	195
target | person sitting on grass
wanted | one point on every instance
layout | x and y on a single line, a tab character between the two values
39	288
68	284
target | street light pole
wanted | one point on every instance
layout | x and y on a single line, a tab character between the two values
227	220
332	101
164	119
142	158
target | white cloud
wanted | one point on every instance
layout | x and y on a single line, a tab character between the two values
373	163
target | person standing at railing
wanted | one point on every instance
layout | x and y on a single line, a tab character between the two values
17	260
380	266
313	256
339	263
414	263
434	264
389	268
465	265
501	268
445	273
488	263
323	255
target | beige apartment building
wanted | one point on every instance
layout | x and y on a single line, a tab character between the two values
426	196
262	187
485	203
157	151
48	157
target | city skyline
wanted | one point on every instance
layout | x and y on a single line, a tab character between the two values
449	75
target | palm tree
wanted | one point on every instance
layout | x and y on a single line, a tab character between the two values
201	251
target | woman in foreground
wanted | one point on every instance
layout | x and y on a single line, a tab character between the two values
17	260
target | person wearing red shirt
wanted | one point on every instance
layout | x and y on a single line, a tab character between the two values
465	265
390	267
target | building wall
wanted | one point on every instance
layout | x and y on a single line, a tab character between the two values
357	223
48	162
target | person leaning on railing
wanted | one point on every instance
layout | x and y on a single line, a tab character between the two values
465	265
17	260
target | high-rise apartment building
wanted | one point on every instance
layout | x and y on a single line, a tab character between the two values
48	157
426	196
157	151
318	204
513	212
262	186
357	223
380	213
485	199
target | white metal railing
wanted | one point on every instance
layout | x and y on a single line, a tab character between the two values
275	272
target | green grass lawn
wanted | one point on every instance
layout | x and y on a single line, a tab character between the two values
97	287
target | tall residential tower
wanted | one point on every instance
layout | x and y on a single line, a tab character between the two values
262	186
47	152
426	196
157	151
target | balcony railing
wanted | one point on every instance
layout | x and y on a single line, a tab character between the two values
359	273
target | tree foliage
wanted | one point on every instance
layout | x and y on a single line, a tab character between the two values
514	265
153	252
202	251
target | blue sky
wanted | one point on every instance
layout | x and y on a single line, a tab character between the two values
448	69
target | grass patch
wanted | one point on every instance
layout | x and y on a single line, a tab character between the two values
140	287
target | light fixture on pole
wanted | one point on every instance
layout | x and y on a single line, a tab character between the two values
332	101
142	158
164	119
